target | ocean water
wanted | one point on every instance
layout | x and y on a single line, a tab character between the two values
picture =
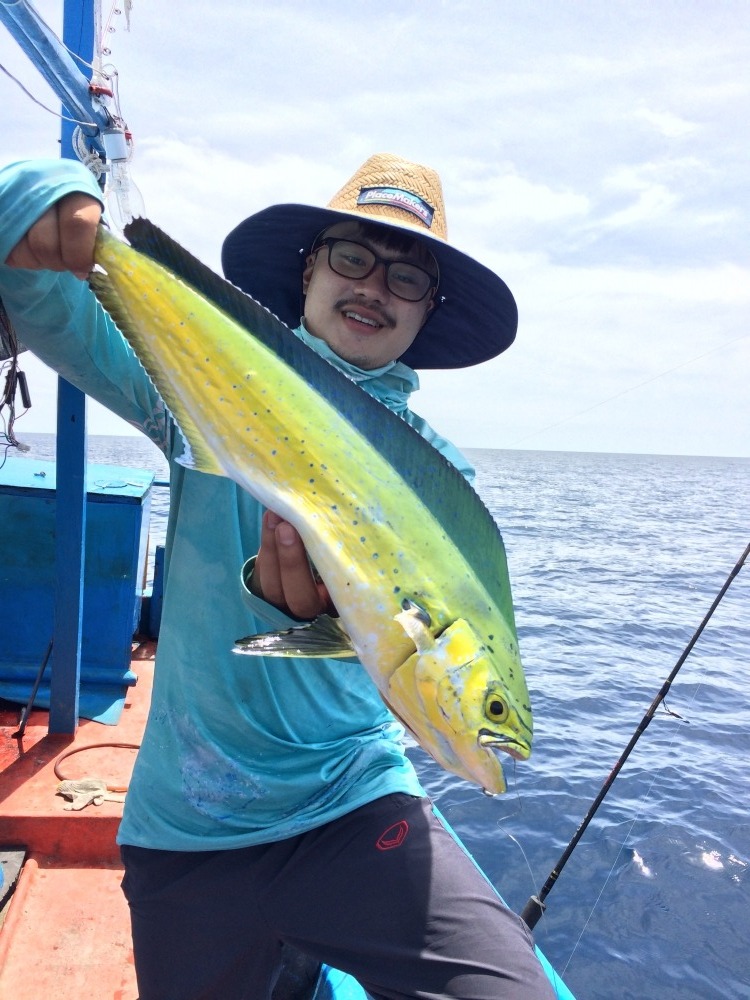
614	560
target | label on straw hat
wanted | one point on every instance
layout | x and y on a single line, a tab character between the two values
398	198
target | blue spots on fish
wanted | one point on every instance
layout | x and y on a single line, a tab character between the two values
445	493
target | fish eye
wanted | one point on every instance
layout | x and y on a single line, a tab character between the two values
495	708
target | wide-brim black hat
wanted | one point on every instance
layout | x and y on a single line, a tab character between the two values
476	318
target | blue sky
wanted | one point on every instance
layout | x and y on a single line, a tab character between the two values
594	154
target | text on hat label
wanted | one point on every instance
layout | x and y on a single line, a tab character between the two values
398	198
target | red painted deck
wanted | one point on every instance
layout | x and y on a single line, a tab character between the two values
65	931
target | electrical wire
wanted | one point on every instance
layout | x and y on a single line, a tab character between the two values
57	114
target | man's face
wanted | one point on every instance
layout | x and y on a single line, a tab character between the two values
360	318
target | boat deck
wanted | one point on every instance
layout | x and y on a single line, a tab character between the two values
65	928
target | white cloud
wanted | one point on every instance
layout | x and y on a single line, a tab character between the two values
590	153
667	124
492	199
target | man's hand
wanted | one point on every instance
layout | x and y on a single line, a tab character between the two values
283	576
62	239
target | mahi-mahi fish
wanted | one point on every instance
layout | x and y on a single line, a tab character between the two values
413	561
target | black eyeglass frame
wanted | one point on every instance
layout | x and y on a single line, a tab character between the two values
330	241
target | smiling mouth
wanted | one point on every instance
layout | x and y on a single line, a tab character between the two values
359	318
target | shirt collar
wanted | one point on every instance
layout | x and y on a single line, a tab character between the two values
392	384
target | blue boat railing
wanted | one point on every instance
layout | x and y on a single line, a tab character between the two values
56	62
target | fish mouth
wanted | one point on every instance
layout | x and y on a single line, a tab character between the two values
517	749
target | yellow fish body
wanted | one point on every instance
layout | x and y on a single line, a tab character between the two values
413	561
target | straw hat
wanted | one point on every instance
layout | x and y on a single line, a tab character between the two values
476	318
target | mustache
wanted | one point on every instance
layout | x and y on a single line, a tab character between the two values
355	303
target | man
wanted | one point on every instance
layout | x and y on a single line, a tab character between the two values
272	804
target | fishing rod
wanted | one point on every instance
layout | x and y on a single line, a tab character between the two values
536	905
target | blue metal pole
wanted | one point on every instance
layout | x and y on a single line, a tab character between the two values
70	524
56	64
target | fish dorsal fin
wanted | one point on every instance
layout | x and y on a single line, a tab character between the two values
442	488
197	454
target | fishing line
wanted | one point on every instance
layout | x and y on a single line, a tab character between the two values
99	32
643	801
108	29
624	392
536	905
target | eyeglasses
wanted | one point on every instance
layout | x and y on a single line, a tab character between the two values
353	260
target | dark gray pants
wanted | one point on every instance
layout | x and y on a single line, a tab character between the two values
384	893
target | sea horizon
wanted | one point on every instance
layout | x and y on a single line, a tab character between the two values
614	558
138	436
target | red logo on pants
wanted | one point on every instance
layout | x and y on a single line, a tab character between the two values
394	836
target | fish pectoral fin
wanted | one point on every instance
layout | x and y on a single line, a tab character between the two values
325	636
416	622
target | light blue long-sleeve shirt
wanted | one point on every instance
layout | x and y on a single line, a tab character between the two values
237	750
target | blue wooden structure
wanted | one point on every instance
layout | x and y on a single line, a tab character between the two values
117	520
57	65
